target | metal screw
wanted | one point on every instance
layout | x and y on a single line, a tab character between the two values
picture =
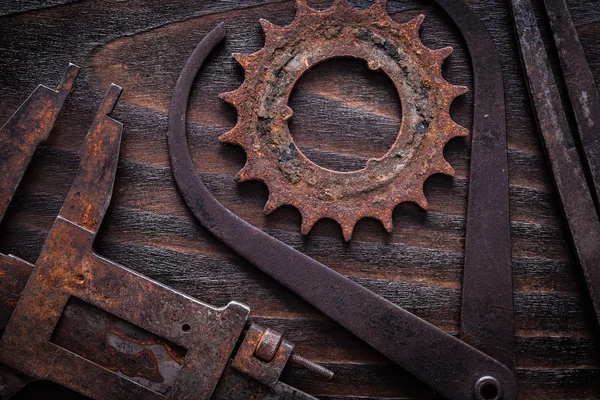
311	366
268	345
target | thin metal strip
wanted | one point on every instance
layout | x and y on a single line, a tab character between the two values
560	148
581	87
486	316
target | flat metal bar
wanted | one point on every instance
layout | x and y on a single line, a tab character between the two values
486	315
26	129
581	87
447	364
560	148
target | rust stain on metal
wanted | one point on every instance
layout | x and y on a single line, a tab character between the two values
262	129
68	269
248	357
26	129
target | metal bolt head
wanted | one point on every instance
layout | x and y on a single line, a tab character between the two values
268	345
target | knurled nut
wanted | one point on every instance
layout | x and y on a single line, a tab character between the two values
268	345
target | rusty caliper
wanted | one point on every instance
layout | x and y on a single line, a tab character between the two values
481	365
262	129
94	326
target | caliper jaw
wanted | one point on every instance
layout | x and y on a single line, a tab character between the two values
26	129
105	331
19	137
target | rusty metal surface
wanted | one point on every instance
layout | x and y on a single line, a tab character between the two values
581	87
262	127
124	348
14	274
26	129
559	144
448	365
68	269
11	381
19	137
265	371
234	385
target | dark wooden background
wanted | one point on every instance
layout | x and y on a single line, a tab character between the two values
344	114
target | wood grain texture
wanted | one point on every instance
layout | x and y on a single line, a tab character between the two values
344	114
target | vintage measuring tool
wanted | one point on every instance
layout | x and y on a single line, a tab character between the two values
98	328
19	137
453	367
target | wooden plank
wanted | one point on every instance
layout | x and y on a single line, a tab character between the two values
344	114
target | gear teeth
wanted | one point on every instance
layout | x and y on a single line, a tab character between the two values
246	174
347	229
272	205
243	59
287	113
461	131
340	5
446	168
387	222
420	200
269	29
232	137
415	24
229	97
457	131
442	54
459	90
308	221
302	7
379	7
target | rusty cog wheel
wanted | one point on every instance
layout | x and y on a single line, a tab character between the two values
262	129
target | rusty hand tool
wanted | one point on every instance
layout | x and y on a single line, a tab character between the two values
452	367
19	137
98	328
26	129
559	143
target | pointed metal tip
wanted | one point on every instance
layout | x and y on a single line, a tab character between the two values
110	100
69	78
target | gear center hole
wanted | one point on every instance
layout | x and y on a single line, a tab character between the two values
344	114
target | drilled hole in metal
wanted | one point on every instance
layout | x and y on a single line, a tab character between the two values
344	114
489	391
487	388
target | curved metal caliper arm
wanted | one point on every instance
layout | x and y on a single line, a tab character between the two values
451	367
